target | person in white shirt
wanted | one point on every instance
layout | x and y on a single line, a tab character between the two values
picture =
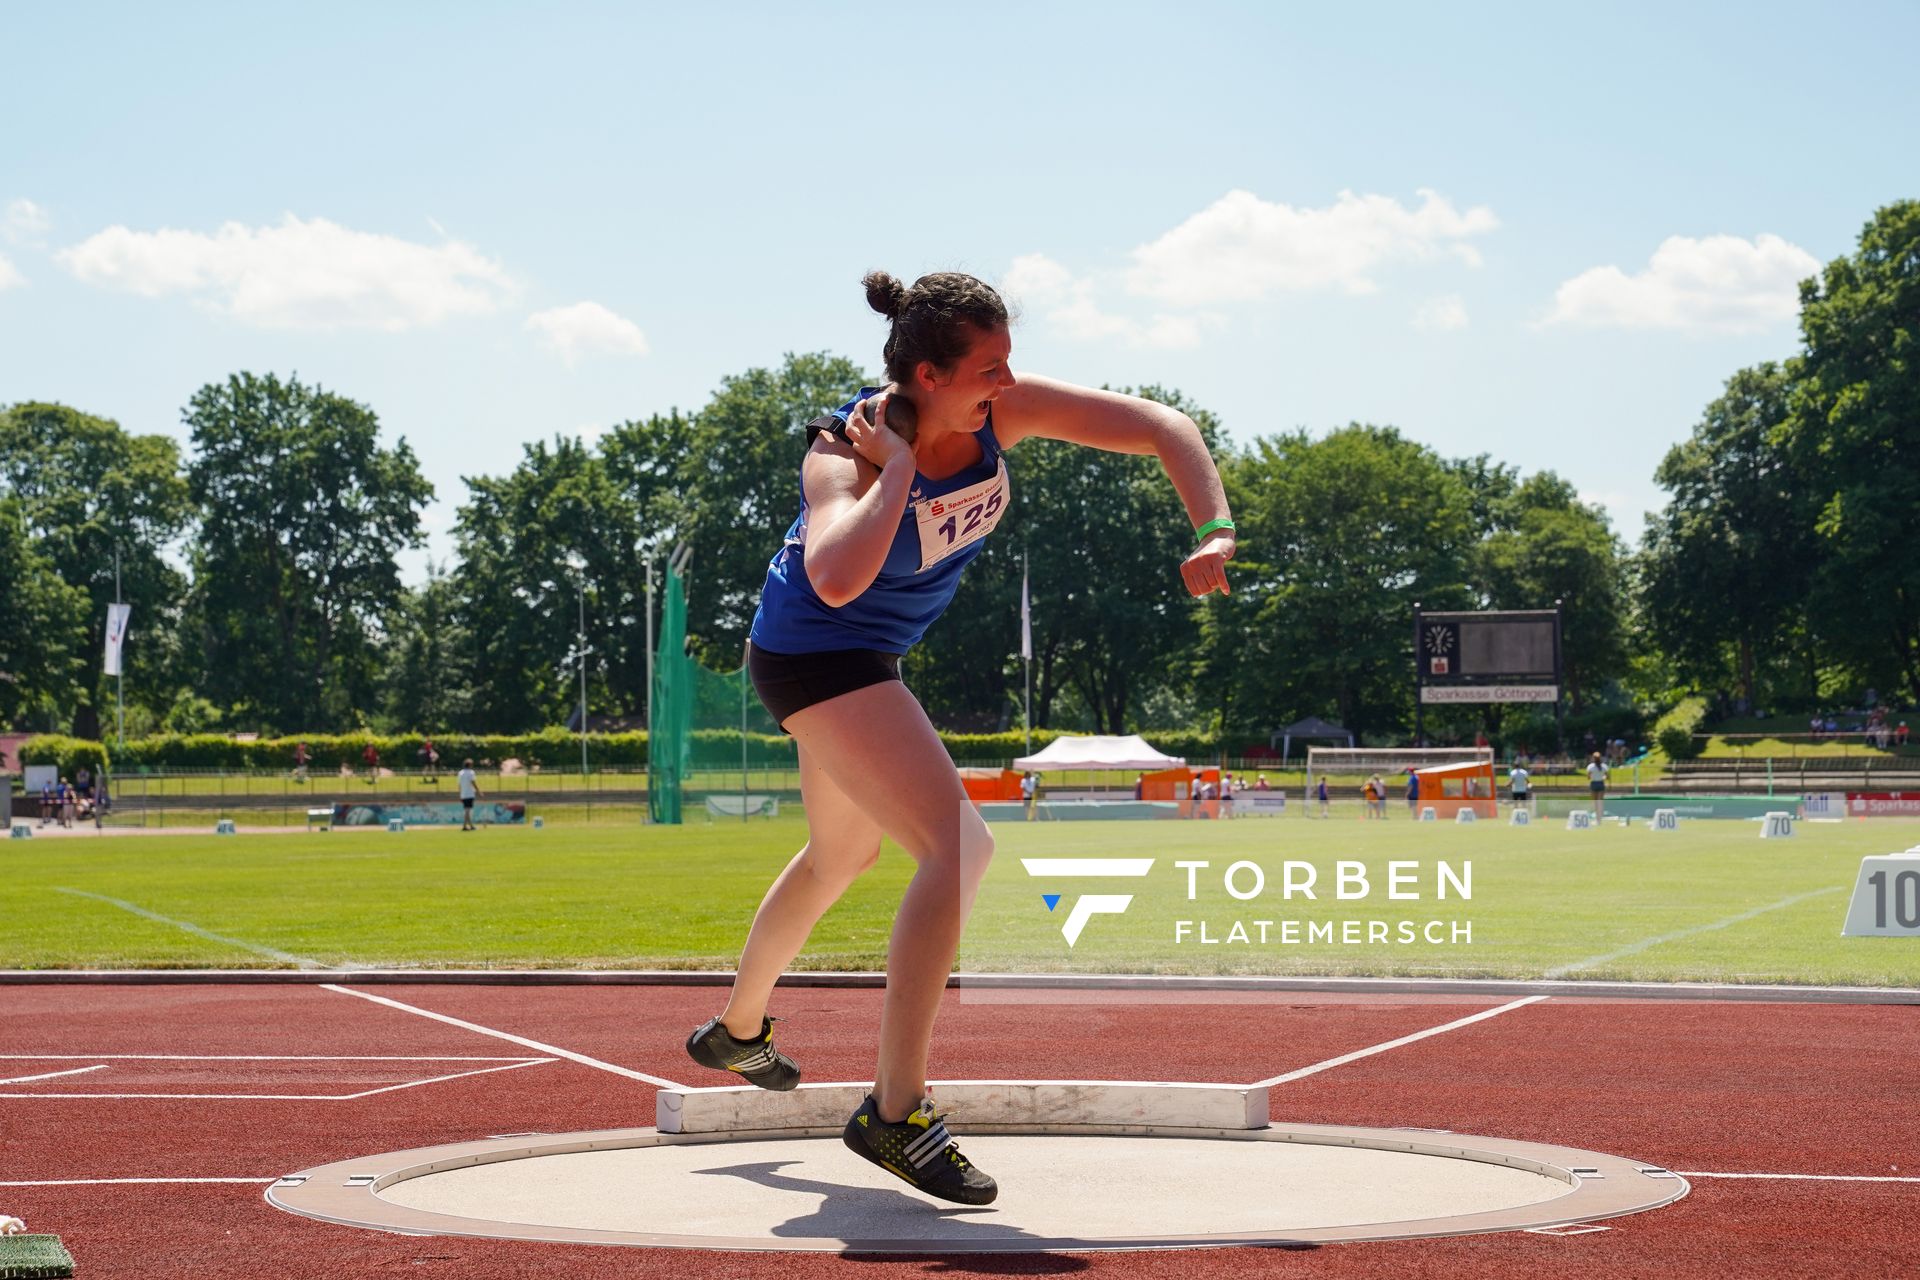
1520	782
469	792
1597	783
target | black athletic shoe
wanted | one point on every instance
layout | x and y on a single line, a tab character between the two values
754	1061
920	1151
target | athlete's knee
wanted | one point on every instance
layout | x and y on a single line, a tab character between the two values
842	865
976	848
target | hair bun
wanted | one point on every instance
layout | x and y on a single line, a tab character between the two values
885	294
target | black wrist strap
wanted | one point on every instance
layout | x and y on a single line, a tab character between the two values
832	424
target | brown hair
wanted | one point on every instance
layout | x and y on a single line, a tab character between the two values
936	320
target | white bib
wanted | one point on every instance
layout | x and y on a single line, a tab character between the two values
953	520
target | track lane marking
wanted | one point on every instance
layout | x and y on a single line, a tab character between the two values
1358	1054
536	1045
285	957
506	1064
1644	943
49	1075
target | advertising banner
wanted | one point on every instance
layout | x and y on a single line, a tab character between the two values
433	814
1433	693
1883	804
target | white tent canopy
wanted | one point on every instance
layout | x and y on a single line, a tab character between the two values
1130	752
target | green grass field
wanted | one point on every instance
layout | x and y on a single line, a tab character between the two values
1608	904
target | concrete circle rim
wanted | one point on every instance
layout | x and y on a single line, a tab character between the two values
1600	1186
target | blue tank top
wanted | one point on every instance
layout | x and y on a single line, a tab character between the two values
943	528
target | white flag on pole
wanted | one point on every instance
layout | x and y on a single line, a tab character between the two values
1026	617
116	635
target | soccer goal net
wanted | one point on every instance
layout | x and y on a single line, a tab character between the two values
1445	779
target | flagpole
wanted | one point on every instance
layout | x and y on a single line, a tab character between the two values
120	676
1026	646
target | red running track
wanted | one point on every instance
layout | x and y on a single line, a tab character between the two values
1698	1087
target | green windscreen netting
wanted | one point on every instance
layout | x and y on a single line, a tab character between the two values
711	736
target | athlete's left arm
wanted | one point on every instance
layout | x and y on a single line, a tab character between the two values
1054	410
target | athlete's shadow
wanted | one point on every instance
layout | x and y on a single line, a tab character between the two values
867	1213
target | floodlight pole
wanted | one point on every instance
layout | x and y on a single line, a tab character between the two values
583	675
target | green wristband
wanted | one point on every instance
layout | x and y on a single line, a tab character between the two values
1200	534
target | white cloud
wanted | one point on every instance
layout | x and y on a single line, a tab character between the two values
298	274
24	222
1441	314
1242	248
587	328
1068	304
10	277
1716	283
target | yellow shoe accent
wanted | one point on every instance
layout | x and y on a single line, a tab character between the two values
863	1121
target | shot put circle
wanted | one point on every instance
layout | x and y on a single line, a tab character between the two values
1063	1187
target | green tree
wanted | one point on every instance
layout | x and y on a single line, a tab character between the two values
1549	546
1854	438
302	513
87	488
1726	565
1356	527
43	630
529	543
430	685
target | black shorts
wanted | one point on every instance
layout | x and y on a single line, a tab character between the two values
466	802
793	682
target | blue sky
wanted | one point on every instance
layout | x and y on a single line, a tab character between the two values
1550	236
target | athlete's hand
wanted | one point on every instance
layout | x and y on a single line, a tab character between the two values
1206	569
869	435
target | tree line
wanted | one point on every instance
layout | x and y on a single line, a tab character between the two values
263	564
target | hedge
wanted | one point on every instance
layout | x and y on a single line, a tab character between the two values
1675	730
67	753
550	748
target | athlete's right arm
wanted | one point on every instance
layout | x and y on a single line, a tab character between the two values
853	509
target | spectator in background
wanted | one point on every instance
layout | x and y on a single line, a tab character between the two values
1140	787
1226	796
1597	783
49	802
1261	784
1326	800
1413	790
300	758
69	803
1831	727
1520	783
469	792
1900	735
370	757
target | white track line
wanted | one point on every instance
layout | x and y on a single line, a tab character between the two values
1643	944
298	962
1358	1054
536	1045
124	1182
48	1075
292	1097
1804	1177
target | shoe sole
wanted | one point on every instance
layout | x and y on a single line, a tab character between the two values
858	1146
